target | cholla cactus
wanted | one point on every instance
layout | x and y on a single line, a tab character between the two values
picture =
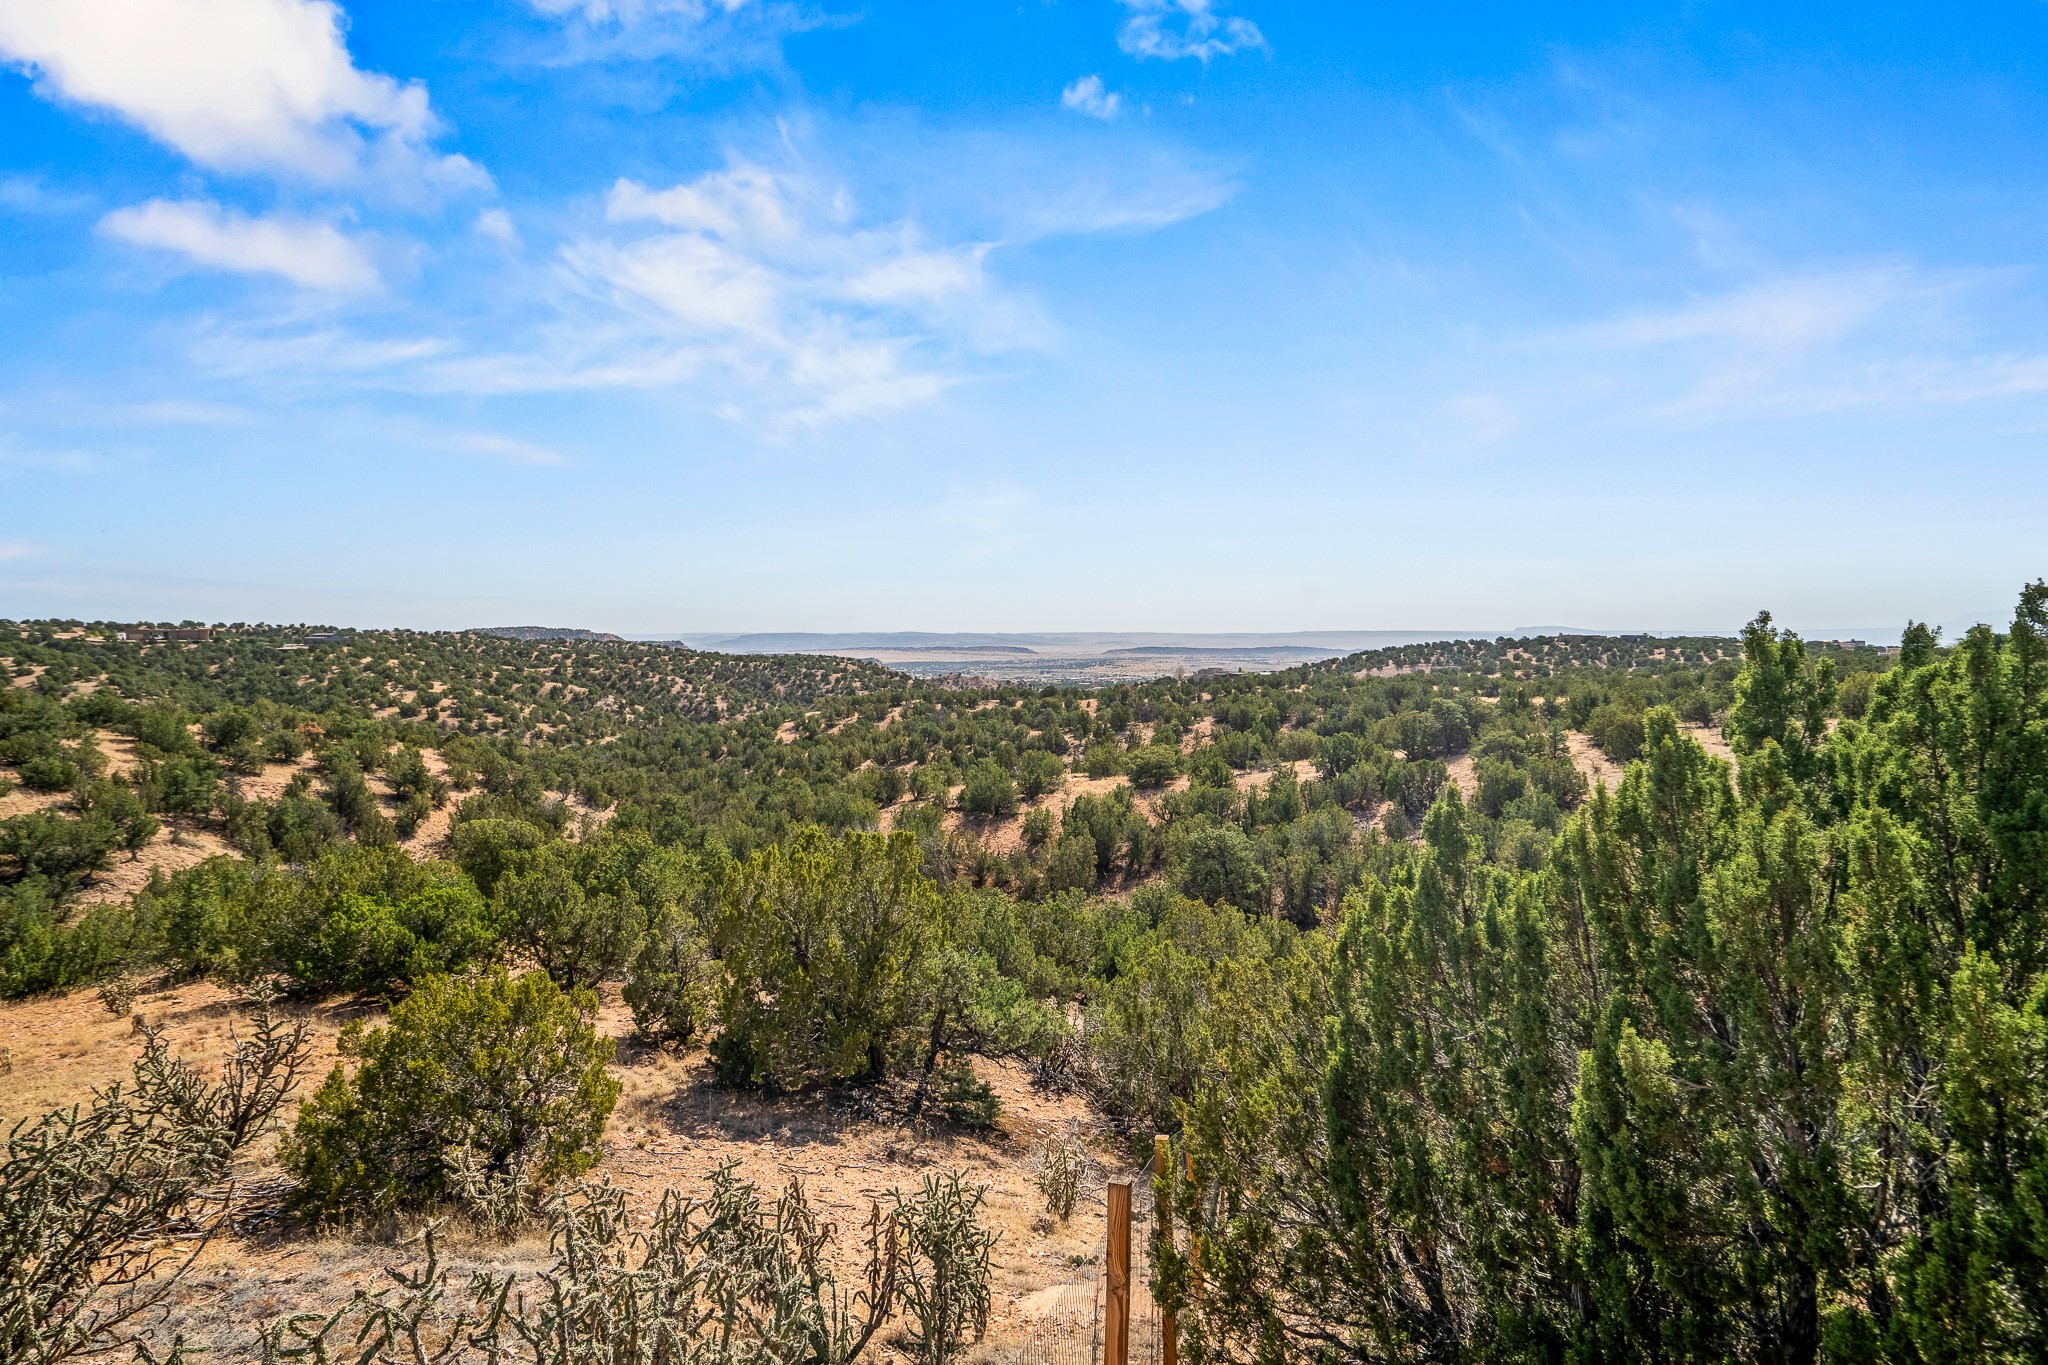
945	1267
497	1202
1061	1164
117	996
89	1196
723	1280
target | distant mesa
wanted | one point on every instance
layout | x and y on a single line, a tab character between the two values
1228	651
548	633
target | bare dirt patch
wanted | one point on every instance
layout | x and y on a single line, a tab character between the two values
1592	761
173	849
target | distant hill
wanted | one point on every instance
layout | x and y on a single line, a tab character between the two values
548	633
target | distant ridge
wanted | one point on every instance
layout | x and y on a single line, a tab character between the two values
1225	651
548	633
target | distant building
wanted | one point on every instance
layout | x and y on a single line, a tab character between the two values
146	634
327	637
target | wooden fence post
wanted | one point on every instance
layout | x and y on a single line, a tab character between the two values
1162	1168
1116	1329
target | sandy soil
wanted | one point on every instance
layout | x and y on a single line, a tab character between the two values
1304	770
1599	770
175	848
1463	771
672	1127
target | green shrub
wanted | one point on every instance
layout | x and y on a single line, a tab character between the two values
1039	772
1618	729
369	944
44	843
1852	695
50	773
487	848
1103	758
508	1068
579	938
1155	765
1220	865
963	1097
825	944
988	790
666	983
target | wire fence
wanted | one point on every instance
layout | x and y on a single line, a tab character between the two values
1070	1323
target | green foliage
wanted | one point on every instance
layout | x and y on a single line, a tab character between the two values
1617	727
988	791
825	944
667	985
507	1068
964	1098
578	937
1153	1031
45	844
1103	758
1040	773
1154	765
1755	1069
1218	864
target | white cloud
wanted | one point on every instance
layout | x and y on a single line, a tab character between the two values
1086	96
1173	29
237	85
716	34
14	549
770	278
496	224
314	255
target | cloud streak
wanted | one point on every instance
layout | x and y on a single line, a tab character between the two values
309	254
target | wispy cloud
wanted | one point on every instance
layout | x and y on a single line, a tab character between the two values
14	549
185	412
1785	313
717	33
506	448
1175	29
31	195
310	254
771	279
636	11
1885	336
238	85
1087	96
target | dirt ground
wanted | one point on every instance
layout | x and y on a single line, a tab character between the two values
1600	770
671	1128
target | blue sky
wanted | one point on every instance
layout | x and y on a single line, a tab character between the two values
653	315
